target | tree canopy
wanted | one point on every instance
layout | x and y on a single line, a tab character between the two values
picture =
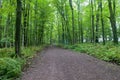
35	22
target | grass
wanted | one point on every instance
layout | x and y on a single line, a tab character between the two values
108	52
10	66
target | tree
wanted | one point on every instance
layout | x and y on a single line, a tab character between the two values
102	22
18	27
112	11
92	21
73	26
97	22
0	22
80	33
25	15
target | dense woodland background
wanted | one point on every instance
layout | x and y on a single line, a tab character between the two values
59	21
26	23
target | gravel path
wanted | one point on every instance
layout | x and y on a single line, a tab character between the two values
61	64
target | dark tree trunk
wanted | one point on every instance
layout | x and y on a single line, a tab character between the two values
63	33
18	27
36	23
25	25
28	28
0	23
73	27
58	28
67	30
113	20
81	31
80	34
92	22
97	24
102	22
78	1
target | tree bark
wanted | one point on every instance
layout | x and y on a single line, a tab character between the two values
92	21
102	22
80	34
25	25
113	20
97	23
0	23
73	26
18	27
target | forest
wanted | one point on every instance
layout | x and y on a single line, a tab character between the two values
28	26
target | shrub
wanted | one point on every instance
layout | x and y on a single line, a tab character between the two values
7	52
9	68
30	51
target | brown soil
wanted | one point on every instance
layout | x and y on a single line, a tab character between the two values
60	64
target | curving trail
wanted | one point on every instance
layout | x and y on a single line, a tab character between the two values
60	64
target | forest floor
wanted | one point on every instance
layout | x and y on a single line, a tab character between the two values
60	64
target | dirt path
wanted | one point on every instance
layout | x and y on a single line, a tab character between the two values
60	64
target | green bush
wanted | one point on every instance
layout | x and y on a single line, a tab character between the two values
30	51
7	52
9	68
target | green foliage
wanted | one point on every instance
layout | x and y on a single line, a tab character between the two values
9	68
7	52
109	52
30	51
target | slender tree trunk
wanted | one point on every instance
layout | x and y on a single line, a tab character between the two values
73	27
18	27
63	32
35	23
78	3
28	28
92	22
25	25
58	28
0	23
51	32
7	28
97	23
113	20
67	30
81	30
80	34
102	22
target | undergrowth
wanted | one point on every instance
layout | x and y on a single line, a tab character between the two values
108	52
10	66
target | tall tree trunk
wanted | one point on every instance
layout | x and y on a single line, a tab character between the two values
35	23
80	34
7	28
102	22
92	21
63	32
78	4
67	30
0	23
18	27
58	28
81	30
113	20
25	25
97	23
51	33
28	28
73	27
